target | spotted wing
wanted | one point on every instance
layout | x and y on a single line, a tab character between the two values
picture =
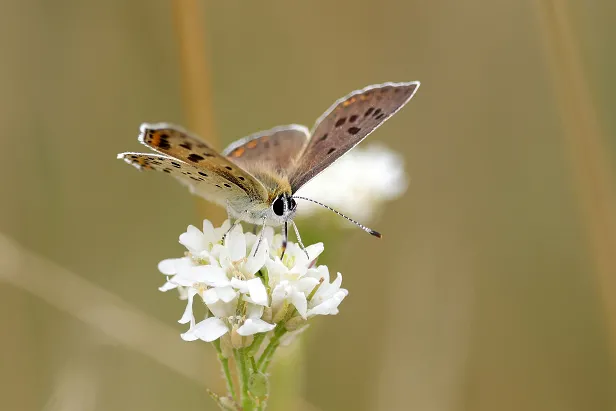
193	154
346	123
210	186
274	149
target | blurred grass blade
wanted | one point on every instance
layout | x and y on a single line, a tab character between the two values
196	93
587	149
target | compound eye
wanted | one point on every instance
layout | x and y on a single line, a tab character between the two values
291	203
278	206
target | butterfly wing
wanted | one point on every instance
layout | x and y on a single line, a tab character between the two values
274	149
196	164
208	185
346	123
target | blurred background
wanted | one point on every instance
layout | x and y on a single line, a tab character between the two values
493	288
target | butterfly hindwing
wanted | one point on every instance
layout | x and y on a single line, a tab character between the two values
194	154
274	149
346	123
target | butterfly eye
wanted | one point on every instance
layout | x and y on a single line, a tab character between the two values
278	206
291	203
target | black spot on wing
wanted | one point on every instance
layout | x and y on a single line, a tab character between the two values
195	157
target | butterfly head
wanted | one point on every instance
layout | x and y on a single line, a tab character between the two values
283	208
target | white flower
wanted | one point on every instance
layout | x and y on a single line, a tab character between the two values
358	183
245	286
328	296
199	243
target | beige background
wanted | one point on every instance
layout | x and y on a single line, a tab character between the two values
484	294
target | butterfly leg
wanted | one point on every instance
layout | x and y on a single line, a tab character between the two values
285	238
260	236
235	223
299	238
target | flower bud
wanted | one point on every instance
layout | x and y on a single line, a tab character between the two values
267	314
227	403
239	341
295	323
225	346
281	313
258	386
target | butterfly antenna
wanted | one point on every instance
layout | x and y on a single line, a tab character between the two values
360	225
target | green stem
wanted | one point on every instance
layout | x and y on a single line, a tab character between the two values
253	364
224	362
256	344
268	353
242	366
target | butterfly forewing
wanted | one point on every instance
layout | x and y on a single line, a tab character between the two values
197	165
209	185
175	142
275	149
346	123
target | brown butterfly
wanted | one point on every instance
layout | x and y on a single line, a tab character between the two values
255	178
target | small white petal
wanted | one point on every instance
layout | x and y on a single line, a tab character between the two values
279	294
183	292
208	232
210	275
192	239
211	296
329	306
315	250
236	244
306	284
226	294
257	291
210	329
337	282
299	301
253	310
189	336
167	286
167	266
269	234
240	285
220	231
188	312
223	310
253	326
255	262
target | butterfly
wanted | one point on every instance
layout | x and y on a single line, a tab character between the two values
256	177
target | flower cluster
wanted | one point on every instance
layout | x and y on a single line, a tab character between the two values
247	289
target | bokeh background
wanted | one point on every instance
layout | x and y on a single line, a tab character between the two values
493	288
